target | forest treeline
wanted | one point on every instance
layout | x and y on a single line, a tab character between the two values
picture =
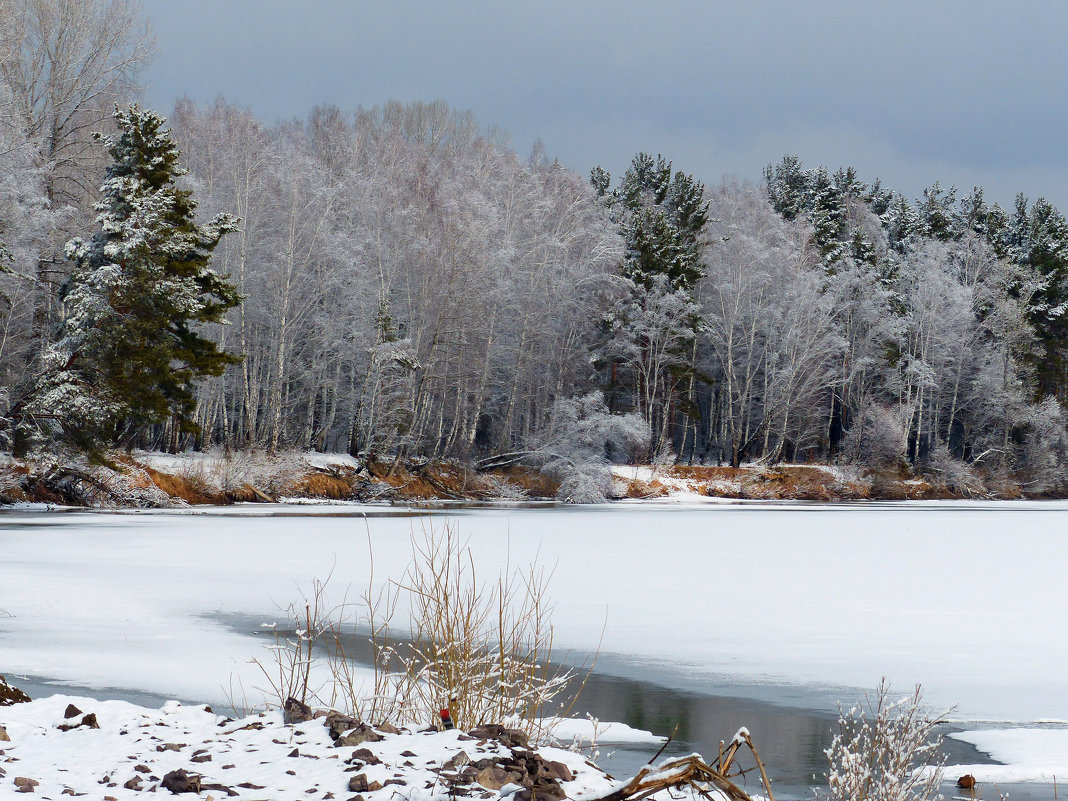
411	287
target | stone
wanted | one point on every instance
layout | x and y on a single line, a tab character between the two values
361	734
142	768
3	735
457	761
71	712
513	738
555	770
338	724
360	784
11	695
494	778
178	781
295	711
170	747
89	721
200	758
133	784
966	782
388	728
366	755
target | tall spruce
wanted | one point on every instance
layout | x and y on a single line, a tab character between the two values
130	349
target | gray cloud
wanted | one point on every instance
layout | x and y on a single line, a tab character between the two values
964	92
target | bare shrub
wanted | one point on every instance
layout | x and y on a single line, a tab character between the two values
482	649
886	750
876	438
956	475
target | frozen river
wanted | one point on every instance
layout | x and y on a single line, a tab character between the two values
786	606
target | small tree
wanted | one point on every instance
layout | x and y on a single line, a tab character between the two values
886	750
130	350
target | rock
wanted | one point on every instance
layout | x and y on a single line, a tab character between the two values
11	695
89	721
555	770
495	777
142	768
3	735
338	724
966	782
219	788
294	753
388	728
250	786
360	734
457	761
295	711
359	784
133	784
71	712
366	756
513	738
170	747
25	785
200	758
178	781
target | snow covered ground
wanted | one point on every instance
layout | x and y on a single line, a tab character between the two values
968	599
131	750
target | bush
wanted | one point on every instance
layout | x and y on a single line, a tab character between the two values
483	649
886	750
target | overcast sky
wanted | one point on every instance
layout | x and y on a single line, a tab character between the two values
968	92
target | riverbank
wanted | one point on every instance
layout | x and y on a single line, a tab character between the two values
159	480
64	745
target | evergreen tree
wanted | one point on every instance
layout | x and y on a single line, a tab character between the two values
130	349
663	212
937	216
788	186
1047	254
828	217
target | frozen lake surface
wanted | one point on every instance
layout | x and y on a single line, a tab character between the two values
795	605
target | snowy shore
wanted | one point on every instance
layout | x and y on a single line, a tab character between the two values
78	746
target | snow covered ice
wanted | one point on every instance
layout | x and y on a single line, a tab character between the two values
835	596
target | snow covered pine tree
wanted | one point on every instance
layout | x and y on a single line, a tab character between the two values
129	351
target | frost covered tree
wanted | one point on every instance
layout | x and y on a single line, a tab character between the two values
130	349
65	64
581	441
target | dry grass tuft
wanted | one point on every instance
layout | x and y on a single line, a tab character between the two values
530	481
189	490
322	485
638	489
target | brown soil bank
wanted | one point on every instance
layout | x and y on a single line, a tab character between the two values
130	481
152	480
809	483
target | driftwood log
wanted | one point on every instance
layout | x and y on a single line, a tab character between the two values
692	772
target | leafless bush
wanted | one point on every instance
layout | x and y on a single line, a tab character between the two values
955	474
483	649
886	750
876	438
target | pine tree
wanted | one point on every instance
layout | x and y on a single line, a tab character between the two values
788	186
130	349
828	218
664	212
